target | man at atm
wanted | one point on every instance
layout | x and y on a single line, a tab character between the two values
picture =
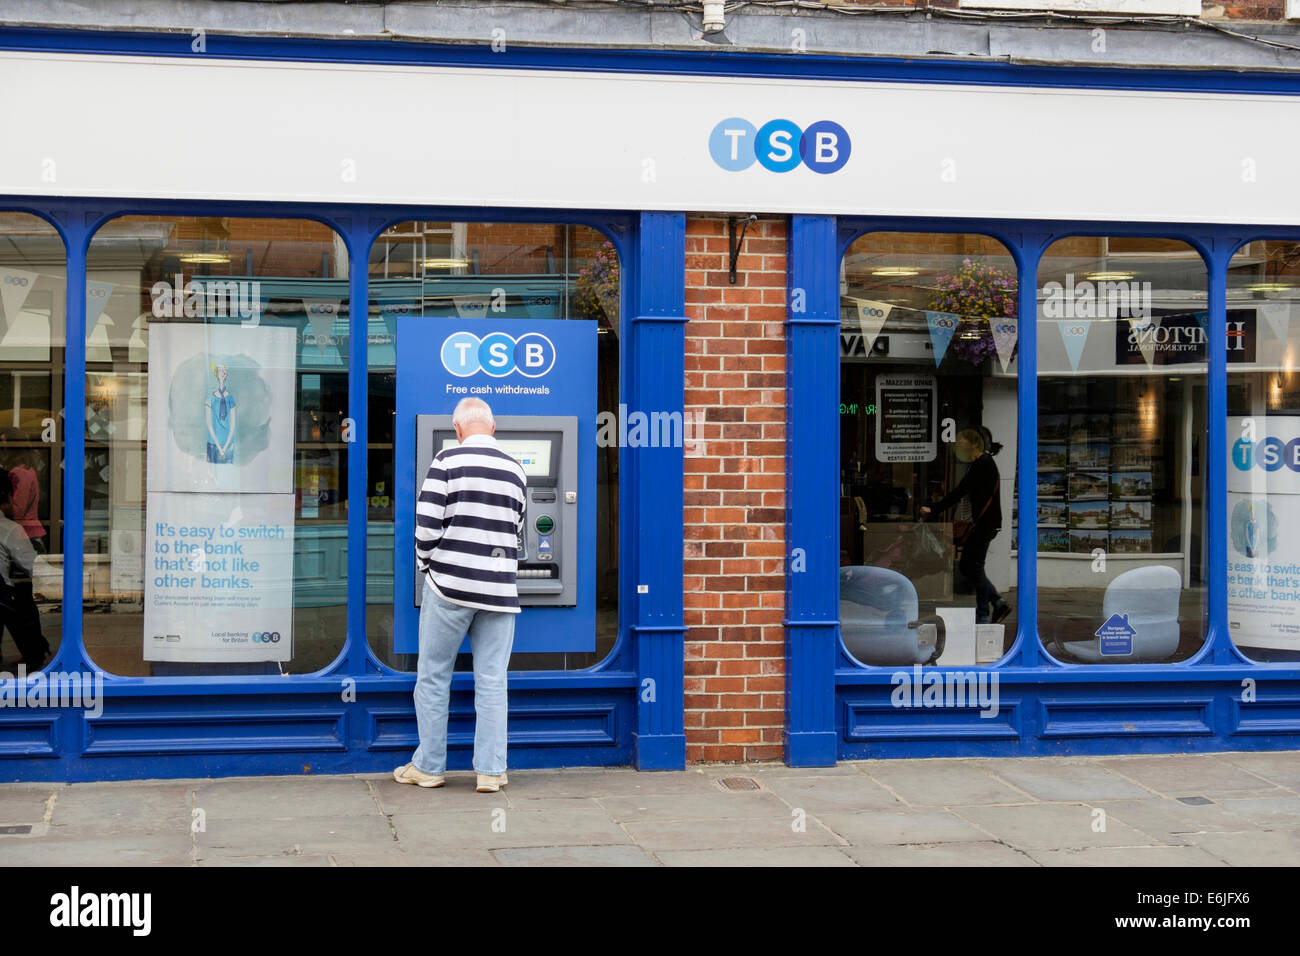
468	518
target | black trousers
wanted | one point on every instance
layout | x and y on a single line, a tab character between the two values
20	616
973	555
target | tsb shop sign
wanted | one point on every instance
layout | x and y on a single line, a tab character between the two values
779	145
497	354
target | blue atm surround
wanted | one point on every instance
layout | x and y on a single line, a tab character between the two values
566	386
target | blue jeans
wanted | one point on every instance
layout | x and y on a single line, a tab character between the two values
443	626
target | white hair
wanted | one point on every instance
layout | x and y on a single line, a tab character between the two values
470	411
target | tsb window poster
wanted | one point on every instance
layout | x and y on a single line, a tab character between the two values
220	506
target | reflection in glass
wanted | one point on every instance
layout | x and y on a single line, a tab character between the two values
215	471
927	449
472	270
32	292
1121	467
1263	437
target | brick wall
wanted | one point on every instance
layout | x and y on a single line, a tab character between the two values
734	497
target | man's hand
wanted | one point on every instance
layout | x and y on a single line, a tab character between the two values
924	510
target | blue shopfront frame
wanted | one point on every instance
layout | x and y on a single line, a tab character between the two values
628	709
356	715
839	709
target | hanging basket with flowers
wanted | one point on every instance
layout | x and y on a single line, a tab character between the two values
979	293
595	293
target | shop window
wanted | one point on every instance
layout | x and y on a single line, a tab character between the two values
215	468
927	449
1263	436
1121	451
33	288
471	271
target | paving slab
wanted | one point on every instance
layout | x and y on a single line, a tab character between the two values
1268	813
843	792
1180	856
25	803
172	849
885	828
776	856
104	808
609	783
1254	847
726	834
292	836
1167	820
1282	768
1052	779
498	829
945	783
1048	825
574	856
246	798
940	854
696	806
1181	775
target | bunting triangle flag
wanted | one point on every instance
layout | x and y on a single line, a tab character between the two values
1146	345
97	296
471	306
942	326
1074	333
15	287
871	319
1006	331
321	315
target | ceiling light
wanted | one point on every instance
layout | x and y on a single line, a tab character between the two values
1109	276
205	258
890	271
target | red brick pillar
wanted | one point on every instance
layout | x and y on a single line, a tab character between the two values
735	493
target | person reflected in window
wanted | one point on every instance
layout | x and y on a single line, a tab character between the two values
981	483
26	500
220	415
18	610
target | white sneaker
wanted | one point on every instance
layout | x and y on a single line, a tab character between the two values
409	773
487	783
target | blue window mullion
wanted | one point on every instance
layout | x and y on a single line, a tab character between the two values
1027	250
77	231
1218	638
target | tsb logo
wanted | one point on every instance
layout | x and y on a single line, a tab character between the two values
1271	454
266	637
779	145
497	354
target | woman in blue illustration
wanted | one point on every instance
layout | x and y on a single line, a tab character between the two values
220	417
1252	532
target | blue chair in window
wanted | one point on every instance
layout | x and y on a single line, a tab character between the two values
878	618
1149	597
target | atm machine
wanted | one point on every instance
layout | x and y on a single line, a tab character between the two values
547	447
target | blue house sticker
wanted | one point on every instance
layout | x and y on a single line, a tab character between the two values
1116	636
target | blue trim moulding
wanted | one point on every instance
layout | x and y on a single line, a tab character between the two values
1216	700
626	709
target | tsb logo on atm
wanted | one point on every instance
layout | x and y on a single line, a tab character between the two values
779	145
497	354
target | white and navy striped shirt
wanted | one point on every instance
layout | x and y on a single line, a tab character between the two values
467	522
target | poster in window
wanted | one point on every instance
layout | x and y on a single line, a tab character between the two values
905	425
1263	549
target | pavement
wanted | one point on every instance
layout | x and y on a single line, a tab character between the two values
1232	809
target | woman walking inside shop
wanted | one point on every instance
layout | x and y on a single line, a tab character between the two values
982	484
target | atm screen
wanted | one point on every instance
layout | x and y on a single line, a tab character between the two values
534	453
